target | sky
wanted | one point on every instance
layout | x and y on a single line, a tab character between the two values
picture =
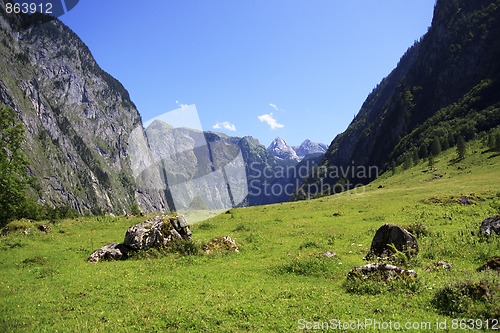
295	69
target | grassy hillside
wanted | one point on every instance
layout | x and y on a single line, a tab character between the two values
279	281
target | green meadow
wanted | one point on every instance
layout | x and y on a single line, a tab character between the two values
279	281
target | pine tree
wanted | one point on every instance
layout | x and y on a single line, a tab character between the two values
461	148
430	164
422	151
497	142
435	147
13	162
407	163
415	157
393	167
491	141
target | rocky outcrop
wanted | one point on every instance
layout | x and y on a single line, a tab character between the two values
391	235
490	226
156	232
110	252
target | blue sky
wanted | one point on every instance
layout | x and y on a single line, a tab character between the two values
291	68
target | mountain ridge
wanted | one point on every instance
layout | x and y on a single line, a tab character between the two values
78	118
444	87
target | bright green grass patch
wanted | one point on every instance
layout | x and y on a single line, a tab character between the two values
279	276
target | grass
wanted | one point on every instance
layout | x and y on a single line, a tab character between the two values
279	280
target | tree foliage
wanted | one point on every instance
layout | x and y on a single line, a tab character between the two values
13	176
461	148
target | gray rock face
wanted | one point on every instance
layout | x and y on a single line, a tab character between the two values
110	252
78	119
490	226
391	234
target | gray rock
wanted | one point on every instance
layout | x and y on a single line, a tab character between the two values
110	252
156	232
391	234
490	225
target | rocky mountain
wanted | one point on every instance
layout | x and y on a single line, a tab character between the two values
81	125
308	147
446	86
282	150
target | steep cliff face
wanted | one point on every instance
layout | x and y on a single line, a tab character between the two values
446	85
78	118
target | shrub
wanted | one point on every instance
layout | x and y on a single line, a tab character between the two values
418	229
377	283
319	266
185	247
470	299
309	245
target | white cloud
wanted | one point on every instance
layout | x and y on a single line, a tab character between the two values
269	119
225	125
275	107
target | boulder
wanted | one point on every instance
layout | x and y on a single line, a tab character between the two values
490	225
381	271
391	234
157	232
110	252
220	244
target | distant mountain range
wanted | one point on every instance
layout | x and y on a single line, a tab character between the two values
282	150
190	161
